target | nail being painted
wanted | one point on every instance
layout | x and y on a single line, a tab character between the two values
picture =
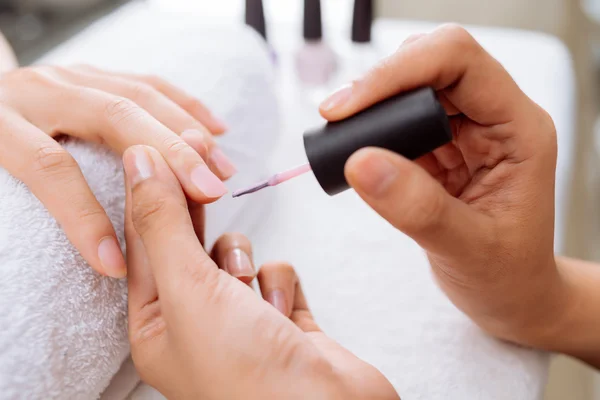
274	180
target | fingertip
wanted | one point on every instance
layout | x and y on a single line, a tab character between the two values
111	258
217	126
371	171
208	183
335	106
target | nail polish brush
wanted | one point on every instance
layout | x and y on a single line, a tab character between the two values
411	124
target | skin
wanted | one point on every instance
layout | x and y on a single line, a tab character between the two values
195	329
115	109
482	206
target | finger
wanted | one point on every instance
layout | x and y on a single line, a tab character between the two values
54	177
233	253
158	106
414	202
205	145
161	218
280	286
198	216
116	121
141	286
449	60
187	102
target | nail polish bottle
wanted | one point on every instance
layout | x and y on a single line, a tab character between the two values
255	18
315	61
364	54
362	21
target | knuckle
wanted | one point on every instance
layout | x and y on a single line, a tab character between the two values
140	92
425	213
51	159
150	212
208	281
153	80
88	210
175	145
118	110
458	36
39	76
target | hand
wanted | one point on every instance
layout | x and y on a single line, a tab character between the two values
38	104
483	206
197	332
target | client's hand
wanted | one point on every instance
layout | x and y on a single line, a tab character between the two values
197	332
482	206
39	103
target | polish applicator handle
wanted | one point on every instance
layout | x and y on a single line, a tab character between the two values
411	124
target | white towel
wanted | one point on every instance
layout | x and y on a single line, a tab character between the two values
63	327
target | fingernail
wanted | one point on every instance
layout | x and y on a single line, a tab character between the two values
237	264
207	182
218	124
142	167
196	140
222	163
276	298
374	175
338	98
111	258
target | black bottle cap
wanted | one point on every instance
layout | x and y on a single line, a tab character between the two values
362	20
411	124
313	26
255	17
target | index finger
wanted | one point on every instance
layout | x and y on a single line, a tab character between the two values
449	60
161	218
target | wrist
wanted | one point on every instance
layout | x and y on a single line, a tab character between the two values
533	312
563	318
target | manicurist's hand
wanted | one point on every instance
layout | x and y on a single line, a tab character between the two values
197	330
482	206
37	104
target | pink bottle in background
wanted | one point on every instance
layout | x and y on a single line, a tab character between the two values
315	61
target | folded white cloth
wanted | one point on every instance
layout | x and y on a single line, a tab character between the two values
63	327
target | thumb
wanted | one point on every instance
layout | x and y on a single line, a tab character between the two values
415	203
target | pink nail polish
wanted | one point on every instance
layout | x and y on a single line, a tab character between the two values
337	99
111	257
222	163
207	182
277	299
